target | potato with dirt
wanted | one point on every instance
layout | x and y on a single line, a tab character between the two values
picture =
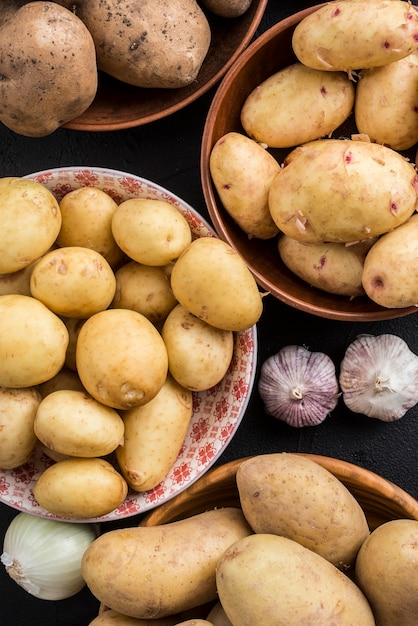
48	68
159	43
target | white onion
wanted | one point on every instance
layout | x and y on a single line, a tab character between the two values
44	556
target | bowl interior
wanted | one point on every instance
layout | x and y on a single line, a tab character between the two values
217	412
118	105
271	52
380	499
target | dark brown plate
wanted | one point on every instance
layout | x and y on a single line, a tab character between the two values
118	105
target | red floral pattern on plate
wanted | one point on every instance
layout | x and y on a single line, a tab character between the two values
217	412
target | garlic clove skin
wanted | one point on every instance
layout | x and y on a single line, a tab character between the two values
299	387
379	377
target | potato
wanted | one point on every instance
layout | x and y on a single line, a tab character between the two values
72	423
150	231
56	77
297	104
121	358
195	622
213	283
387	103
87	221
155	571
73	282
227	8
342	190
386	571
289	585
163	45
293	496
199	354
153	436
217	616
113	618
33	342
390	274
30	221
17	414
16	282
73	325
145	289
333	267
80	488
350	35
66	378
242	172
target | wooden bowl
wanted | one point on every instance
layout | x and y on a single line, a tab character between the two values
118	105
269	53
380	499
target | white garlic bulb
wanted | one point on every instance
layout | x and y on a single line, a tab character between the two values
379	377
299	387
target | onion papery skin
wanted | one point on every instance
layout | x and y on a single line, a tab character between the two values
298	386
43	556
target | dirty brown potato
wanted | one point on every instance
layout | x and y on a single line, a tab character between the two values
161	44
48	68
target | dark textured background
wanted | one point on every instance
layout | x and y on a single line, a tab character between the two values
167	152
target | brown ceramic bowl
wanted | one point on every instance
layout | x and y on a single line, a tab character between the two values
269	53
380	499
118	105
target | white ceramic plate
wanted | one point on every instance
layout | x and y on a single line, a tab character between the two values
217	412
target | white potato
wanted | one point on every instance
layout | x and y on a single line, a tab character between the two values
17	414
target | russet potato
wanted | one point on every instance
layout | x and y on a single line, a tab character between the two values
342	190
121	358
242	172
275	581
17	414
33	342
80	488
155	571
297	104
153	436
199	354
293	496
56	77
213	283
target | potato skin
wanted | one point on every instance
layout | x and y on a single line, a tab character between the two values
332	267
370	189
155	571
153	436
113	618
17	414
212	281
386	571
290	495
350	35
242	172
51	85
390	274
387	103
66	488
227	8
298	586
159	44
297	104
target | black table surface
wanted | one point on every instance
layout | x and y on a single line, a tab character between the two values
167	152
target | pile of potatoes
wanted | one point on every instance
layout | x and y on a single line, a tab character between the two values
296	550
340	207
111	317
61	45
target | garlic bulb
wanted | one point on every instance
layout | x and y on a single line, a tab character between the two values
44	556
299	387
379	377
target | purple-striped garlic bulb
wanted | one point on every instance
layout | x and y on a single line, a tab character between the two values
299	387
379	377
